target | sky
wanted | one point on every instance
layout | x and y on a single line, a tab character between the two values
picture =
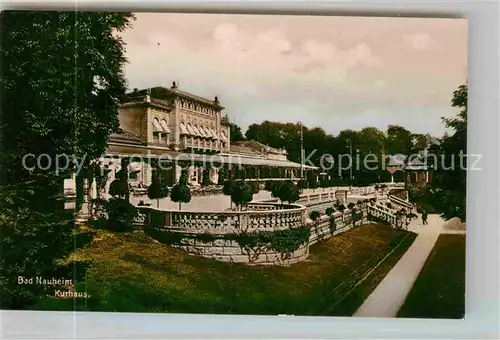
336	73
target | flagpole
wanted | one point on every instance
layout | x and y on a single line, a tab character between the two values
158	60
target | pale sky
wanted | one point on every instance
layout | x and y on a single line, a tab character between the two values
334	72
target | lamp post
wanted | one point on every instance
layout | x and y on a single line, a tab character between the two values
301	152
349	144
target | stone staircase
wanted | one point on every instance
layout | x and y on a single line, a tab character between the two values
380	210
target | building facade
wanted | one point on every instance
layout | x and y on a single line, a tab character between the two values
184	128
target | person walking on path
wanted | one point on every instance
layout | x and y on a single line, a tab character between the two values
424	217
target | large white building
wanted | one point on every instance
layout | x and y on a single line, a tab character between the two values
184	128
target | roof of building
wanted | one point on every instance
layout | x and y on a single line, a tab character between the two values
233	159
258	147
161	92
431	140
122	136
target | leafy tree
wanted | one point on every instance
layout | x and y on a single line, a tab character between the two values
255	187
180	192
121	214
45	111
329	211
222	176
206	177
399	140
447	192
235	133
242	194
288	192
227	190
275	189
158	189
119	186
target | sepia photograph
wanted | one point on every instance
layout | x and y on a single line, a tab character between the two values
233	164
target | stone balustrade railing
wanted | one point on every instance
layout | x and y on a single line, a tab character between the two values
399	203
257	217
384	208
384	214
328	226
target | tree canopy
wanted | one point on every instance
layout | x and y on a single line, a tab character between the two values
447	191
61	83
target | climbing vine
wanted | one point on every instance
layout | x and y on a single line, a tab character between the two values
281	241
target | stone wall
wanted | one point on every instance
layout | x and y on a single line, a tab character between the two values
230	251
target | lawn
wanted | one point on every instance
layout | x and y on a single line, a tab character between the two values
439	291
133	273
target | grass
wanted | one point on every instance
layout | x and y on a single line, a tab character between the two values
133	273
439	291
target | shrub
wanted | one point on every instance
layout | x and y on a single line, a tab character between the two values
222	176
332	225
118	188
227	189
314	215
268	186
241	194
288	192
324	183
206	177
180	191
302	184
121	214
157	189
275	189
329	211
98	209
350	206
255	187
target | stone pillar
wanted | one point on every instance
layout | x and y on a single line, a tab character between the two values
177	172
84	213
177	124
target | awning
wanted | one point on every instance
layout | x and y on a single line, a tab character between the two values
190	130
202	131
214	134
156	126
223	137
165	127
184	131
197	131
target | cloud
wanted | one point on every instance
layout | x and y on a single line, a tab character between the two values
308	68
421	42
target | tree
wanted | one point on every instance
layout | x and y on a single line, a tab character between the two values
158	189
206	177
119	187
447	191
180	192
44	110
227	190
288	192
235	133
242	194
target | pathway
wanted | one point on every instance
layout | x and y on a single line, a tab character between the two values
390	294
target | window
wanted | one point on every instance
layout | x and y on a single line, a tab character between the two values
133	175
156	137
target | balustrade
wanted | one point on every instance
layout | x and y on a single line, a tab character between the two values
259	217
